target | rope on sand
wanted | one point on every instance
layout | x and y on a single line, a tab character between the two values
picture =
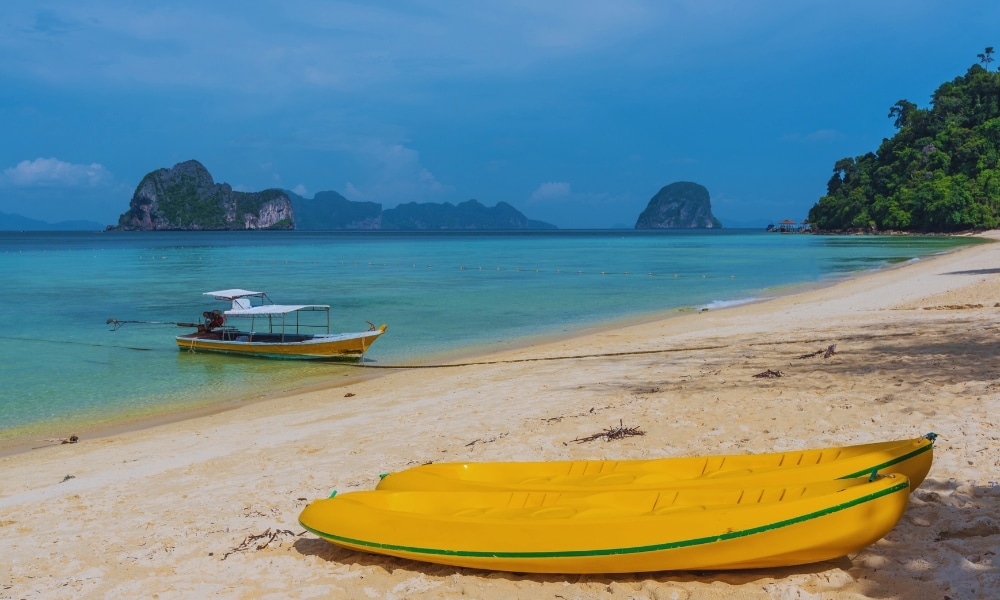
629	353
540	358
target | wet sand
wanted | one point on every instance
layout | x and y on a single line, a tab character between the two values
174	511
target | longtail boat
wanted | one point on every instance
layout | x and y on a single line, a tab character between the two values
274	330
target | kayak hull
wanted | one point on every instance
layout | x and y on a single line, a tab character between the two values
616	532
912	458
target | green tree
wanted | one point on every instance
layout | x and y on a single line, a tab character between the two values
902	111
939	172
986	57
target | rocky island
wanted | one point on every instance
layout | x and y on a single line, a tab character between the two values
187	198
680	205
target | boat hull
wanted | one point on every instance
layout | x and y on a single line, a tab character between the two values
911	458
616	532
344	345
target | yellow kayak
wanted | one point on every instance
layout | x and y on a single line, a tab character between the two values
911	458
616	532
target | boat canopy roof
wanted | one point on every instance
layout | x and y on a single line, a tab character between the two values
273	309
243	308
230	295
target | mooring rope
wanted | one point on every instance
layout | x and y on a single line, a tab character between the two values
26	339
627	353
498	362
540	358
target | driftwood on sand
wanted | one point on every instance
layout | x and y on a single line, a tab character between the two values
612	433
825	352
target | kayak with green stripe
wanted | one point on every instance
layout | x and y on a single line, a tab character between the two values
743	526
909	457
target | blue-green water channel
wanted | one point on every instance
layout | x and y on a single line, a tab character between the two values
440	293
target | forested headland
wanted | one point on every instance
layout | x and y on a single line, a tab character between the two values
939	173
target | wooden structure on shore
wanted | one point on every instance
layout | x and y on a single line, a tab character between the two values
790	226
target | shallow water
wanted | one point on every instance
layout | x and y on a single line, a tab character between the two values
440	293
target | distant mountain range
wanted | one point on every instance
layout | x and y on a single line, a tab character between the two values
186	197
328	211
12	222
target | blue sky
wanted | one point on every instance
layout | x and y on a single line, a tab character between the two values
574	111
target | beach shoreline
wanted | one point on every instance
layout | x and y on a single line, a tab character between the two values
43	434
167	510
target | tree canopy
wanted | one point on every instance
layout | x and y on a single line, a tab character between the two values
939	173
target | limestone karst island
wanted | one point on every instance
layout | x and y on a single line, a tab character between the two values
680	205
186	197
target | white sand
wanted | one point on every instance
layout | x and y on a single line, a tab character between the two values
153	513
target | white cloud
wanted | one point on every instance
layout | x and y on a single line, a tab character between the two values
351	192
581	24
336	44
275	50
820	135
551	191
823	135
52	172
301	190
395	175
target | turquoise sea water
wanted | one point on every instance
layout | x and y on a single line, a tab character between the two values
440	293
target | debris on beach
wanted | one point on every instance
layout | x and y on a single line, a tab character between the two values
612	433
955	306
646	390
488	440
825	352
768	374
70	440
53	441
268	534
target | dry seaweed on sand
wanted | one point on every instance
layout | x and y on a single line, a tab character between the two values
768	374
825	352
612	433
268	536
488	440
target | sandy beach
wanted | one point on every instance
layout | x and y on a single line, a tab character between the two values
207	507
